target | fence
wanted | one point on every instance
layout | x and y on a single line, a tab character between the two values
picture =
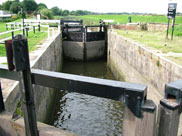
26	29
139	115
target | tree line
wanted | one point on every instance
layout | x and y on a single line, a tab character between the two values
31	7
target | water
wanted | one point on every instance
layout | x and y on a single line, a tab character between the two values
87	115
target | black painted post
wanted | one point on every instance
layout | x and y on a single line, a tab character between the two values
2	108
129	19
23	27
167	28
27	31
172	28
28	26
170	109
12	34
34	29
66	28
22	65
39	26
100	30
81	22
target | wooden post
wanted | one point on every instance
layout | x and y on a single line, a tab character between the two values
27	31
173	20
2	108
168	118
22	65
12	33
167	28
143	126
39	26
34	29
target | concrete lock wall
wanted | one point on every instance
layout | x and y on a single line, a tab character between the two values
138	64
47	57
75	50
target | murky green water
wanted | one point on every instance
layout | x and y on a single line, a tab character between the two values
87	115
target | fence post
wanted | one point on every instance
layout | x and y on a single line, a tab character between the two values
140	126
22	65
27	31
34	29
12	33
2	108
39	26
170	109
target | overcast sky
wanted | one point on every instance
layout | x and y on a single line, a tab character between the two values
144	6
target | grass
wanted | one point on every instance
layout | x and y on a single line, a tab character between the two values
122	19
154	40
19	109
33	40
9	34
177	30
3	25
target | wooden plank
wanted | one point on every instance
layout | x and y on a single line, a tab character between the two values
168	118
134	126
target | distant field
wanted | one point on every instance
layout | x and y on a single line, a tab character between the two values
154	40
122	19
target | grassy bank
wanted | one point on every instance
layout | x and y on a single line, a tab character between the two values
154	40
3	25
33	40
122	19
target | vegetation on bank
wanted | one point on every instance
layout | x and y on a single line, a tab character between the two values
123	19
33	40
154	40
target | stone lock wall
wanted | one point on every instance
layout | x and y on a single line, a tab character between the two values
138	64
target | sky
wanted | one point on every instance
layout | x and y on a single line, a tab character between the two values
103	6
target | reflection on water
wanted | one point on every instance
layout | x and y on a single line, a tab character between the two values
87	115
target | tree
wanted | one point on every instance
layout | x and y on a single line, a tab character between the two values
41	6
46	14
65	12
73	12
6	5
55	10
15	7
0	7
29	5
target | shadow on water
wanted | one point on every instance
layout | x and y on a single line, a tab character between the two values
87	115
